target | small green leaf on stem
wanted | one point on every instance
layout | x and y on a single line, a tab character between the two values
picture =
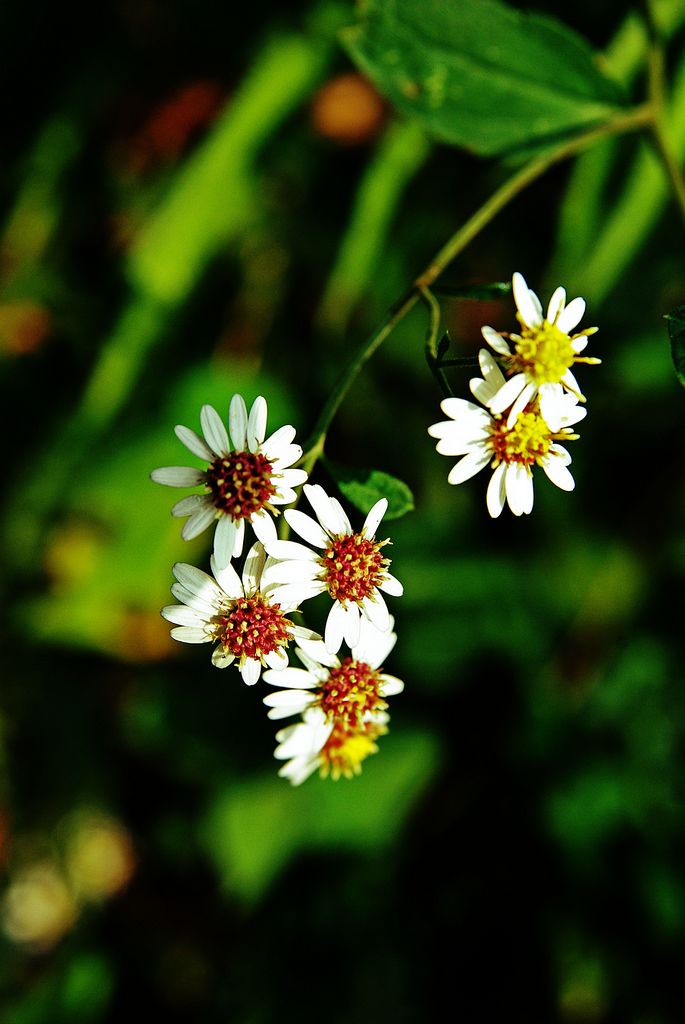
364	487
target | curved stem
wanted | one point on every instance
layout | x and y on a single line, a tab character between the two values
431	343
657	94
638	117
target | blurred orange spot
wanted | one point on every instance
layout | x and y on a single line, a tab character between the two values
143	636
347	110
174	123
24	326
99	857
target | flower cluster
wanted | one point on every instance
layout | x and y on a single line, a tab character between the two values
529	403
247	615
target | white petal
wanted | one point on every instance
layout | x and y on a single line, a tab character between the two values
190	504
191	634
556	304
178	476
256	424
496	340
283	496
468	466
496	492
291	595
526	301
571	383
335	627
239	538
374	644
294	701
279	441
264	527
224	541
290	549
294	571
456	408
508	393
390	585
325	510
194	443
198	582
458	445
376	610
518	484
352	625
221	659
316	657
250	670
253	568
181	615
277	659
206	607
390	686
374	517
571	315
483	390
345	524
306	527
198	522
237	422
288	454
228	579
558	474
490	367
297	678
579	344
561	454
214	430
293	477
520	404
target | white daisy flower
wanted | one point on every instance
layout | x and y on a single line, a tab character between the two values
346	691
334	748
538	361
242	485
348	566
242	617
510	448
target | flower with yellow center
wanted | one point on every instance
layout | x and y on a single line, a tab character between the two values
348	566
345	690
242	485
334	748
245	620
511	447
538	361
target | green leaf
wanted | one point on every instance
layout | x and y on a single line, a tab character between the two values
364	487
676	332
478	74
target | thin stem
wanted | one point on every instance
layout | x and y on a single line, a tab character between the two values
657	93
638	117
431	343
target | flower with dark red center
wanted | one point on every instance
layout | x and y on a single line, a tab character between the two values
240	616
242	485
348	566
342	703
345	689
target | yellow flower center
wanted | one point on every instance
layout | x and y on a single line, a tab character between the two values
345	749
544	353
527	441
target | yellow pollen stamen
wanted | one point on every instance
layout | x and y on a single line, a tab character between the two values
528	440
544	353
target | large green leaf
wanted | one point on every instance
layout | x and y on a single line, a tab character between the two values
364	487
481	75
676	332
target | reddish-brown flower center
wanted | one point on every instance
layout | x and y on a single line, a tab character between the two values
527	441
241	483
252	628
351	691
353	567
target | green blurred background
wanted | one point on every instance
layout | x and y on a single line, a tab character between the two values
195	203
